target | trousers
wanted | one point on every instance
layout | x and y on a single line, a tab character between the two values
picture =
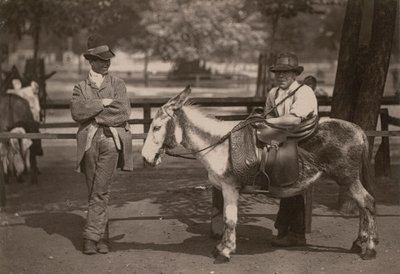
99	166
291	215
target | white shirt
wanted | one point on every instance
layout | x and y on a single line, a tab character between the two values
302	104
97	78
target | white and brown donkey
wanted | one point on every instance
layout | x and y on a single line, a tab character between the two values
338	151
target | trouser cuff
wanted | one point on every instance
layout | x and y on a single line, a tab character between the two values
91	236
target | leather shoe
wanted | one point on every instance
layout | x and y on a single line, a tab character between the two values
291	239
282	232
89	247
102	246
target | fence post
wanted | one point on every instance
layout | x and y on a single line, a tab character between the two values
146	115
197	83
382	157
2	188
146	126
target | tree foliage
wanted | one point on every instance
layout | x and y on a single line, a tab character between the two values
59	18
201	29
285	8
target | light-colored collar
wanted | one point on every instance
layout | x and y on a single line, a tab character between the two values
95	77
93	74
292	86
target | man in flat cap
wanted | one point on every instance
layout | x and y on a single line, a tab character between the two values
297	103
100	106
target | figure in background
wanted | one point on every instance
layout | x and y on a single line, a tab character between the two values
29	93
311	81
100	106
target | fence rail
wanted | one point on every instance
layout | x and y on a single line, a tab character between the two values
249	102
148	103
213	102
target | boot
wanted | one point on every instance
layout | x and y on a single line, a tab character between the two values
102	246
282	232
291	239
89	247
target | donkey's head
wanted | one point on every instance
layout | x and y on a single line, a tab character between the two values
164	132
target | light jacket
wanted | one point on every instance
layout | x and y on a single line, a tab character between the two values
87	109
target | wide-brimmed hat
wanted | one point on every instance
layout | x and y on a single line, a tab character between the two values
287	62
97	48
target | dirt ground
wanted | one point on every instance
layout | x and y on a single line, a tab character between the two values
159	223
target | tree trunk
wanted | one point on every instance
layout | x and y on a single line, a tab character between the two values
3	197
369	99
345	90
145	68
79	65
263	76
361	76
1	77
36	40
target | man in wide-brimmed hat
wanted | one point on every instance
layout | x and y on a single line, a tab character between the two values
100	106
293	103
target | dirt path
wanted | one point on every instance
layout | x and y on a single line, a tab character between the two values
160	224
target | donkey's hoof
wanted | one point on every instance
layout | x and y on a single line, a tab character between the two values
221	259
215	253
356	248
369	254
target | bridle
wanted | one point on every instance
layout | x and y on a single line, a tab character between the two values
249	120
183	155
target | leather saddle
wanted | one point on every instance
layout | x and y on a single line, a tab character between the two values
278	152
267	133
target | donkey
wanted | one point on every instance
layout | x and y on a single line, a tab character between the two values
338	151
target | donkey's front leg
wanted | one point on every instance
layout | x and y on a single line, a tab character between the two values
228	243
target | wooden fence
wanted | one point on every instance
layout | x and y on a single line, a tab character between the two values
382	157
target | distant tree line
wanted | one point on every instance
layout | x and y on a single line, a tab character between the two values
175	30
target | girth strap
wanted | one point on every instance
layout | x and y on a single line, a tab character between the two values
272	152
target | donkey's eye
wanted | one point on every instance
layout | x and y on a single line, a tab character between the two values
155	128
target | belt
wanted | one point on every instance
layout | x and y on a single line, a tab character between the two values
107	131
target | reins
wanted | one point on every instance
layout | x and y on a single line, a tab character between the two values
249	120
245	123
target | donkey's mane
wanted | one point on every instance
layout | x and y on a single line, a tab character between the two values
205	121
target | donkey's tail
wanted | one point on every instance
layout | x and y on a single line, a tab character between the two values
366	175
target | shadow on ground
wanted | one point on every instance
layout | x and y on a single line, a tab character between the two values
179	191
252	239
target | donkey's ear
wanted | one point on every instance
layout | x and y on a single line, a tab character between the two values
179	100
